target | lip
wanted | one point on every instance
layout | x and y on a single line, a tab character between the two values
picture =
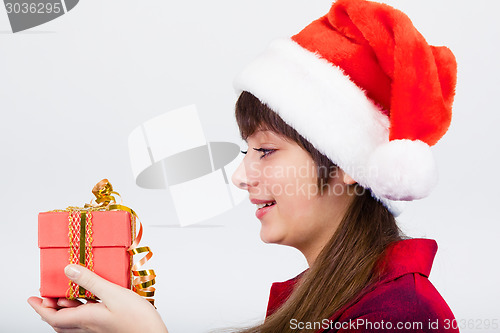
259	213
257	201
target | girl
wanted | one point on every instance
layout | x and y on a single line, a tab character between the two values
338	120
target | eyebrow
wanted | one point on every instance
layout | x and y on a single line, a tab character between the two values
269	135
264	133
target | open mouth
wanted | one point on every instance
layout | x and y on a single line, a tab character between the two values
264	208
260	206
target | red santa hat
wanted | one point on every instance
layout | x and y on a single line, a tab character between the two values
365	88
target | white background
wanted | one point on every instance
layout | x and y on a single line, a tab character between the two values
73	89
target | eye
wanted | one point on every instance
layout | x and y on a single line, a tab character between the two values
265	152
244	152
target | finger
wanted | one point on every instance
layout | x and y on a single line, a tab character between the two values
68	303
50	303
44	307
66	318
71	303
103	289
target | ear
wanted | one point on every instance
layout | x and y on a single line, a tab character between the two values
348	179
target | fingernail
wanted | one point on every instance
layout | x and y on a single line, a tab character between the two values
72	271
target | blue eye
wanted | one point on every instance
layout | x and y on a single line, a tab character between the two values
265	152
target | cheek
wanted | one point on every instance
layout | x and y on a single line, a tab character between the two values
300	190
297	206
295	193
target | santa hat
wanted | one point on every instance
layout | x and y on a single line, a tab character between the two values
365	88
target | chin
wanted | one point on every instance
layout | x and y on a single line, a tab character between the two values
271	236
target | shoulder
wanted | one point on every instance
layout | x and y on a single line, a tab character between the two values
409	303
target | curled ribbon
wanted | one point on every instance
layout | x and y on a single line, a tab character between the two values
143	280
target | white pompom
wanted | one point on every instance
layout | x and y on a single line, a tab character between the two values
402	170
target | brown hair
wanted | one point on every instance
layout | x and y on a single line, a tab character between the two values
344	269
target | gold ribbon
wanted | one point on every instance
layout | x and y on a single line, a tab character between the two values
143	280
80	246
83	233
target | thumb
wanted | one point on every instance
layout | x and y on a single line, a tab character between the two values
105	290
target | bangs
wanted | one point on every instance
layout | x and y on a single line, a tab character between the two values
252	115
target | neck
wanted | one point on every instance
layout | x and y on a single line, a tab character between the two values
312	255
312	250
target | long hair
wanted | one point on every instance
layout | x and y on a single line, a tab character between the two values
345	268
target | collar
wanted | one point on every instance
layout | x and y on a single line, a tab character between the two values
407	256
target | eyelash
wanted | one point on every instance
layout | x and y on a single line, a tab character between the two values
262	150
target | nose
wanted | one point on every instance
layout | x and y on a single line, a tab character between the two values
241	179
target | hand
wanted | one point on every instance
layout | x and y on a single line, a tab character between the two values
120	309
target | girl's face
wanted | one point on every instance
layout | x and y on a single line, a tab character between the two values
283	175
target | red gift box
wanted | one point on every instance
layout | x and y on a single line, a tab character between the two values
111	233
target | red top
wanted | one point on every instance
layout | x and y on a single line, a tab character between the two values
404	300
